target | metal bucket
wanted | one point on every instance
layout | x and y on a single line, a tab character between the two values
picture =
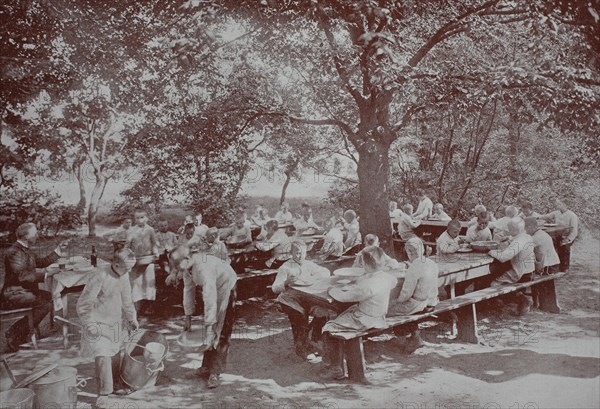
136	371
57	389
21	398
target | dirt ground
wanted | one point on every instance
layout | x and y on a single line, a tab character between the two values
540	360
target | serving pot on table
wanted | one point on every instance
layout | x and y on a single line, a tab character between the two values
484	246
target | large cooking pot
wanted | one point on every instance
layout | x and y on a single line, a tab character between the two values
58	388
484	246
21	398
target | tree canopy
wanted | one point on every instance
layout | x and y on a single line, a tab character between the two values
446	95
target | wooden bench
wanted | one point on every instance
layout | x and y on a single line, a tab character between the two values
254	283
466	325
20	313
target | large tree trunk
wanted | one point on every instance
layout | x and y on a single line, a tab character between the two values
373	174
97	194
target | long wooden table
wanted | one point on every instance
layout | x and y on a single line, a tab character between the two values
463	267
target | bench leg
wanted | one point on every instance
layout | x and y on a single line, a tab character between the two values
546	293
355	359
65	333
467	324
33	329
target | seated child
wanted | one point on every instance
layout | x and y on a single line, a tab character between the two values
298	310
352	229
418	292
480	231
306	222
239	233
372	294
388	262
333	243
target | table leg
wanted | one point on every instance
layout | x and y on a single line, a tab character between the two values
547	297
454	317
355	359
467	324
65	328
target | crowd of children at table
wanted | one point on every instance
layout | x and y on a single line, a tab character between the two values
200	257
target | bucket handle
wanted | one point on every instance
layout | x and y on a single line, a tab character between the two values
82	383
159	368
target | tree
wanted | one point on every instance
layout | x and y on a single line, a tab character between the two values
374	65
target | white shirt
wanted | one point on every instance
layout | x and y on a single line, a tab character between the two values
443	216
333	243
372	292
446	244
424	208
478	235
302	224
406	226
389	263
353	236
569	219
216	278
520	252
501	228
421	282
285	217
396	215
545	253
308	272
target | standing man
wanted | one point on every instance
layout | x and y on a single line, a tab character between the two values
425	207
217	280
546	262
19	283
564	217
142	241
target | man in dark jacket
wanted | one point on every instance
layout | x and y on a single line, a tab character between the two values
19	283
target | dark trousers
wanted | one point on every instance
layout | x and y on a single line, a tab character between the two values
301	327
215	359
41	301
564	254
333	352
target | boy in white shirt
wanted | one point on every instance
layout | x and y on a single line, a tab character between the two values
298	269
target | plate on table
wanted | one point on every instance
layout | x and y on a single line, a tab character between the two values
84	269
309	232
344	281
464	250
336	292
550	224
301	283
349	272
266	246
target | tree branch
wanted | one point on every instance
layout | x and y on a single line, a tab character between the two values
324	24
